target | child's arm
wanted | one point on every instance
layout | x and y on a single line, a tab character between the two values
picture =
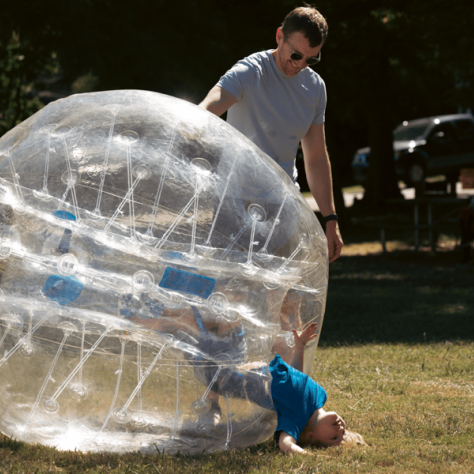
287	445
307	335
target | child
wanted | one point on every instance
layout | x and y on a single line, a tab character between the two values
299	402
297	399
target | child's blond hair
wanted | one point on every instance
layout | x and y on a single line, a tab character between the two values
352	438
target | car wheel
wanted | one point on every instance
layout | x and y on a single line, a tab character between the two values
452	179
416	173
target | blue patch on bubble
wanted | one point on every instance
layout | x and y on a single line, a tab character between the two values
186	282
66	238
67	216
65	242
173	255
154	307
62	289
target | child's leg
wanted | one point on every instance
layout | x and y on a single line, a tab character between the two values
254	385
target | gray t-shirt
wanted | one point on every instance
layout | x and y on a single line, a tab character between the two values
273	110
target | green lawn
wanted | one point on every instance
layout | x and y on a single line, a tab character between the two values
397	359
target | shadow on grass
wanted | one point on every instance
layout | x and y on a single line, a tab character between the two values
399	297
10	443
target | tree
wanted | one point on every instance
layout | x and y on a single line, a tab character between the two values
386	62
25	55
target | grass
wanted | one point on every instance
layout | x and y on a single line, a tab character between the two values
396	357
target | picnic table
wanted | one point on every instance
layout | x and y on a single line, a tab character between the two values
431	225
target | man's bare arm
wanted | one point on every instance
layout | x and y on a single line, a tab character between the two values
218	101
318	174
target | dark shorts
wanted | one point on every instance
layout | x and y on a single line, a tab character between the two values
222	370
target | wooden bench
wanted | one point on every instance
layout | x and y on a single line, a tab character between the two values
384	226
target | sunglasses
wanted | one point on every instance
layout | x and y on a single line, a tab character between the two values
298	56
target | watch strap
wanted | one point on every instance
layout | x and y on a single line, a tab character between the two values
331	217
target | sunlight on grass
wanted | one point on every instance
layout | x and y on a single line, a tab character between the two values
367	248
373	248
396	357
414	404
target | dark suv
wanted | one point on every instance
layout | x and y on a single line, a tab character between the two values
427	147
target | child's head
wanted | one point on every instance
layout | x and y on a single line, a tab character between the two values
327	428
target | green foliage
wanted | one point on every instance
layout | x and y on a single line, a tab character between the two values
26	55
16	84
385	60
86	83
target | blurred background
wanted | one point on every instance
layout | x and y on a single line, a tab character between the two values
385	62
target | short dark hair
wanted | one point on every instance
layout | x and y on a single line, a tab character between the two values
308	21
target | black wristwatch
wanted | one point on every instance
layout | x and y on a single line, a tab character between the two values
331	217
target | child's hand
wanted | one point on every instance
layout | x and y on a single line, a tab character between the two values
295	449
307	335
287	445
297	360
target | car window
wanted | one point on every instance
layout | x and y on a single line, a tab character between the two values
442	133
465	129
409	132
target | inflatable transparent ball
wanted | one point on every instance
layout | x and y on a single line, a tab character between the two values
151	258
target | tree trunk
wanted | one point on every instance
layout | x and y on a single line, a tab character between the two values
341	210
382	182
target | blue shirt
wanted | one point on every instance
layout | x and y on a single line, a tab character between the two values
296	396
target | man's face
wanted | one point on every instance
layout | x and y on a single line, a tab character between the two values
297	43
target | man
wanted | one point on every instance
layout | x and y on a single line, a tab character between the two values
274	99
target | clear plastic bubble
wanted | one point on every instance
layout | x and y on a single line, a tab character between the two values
60	131
217	303
128	137
27	349
19	208
12	320
5	248
201	406
78	392
67	327
50	405
151	258
122	415
67	265
256	212
143	280
141	172
71	177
